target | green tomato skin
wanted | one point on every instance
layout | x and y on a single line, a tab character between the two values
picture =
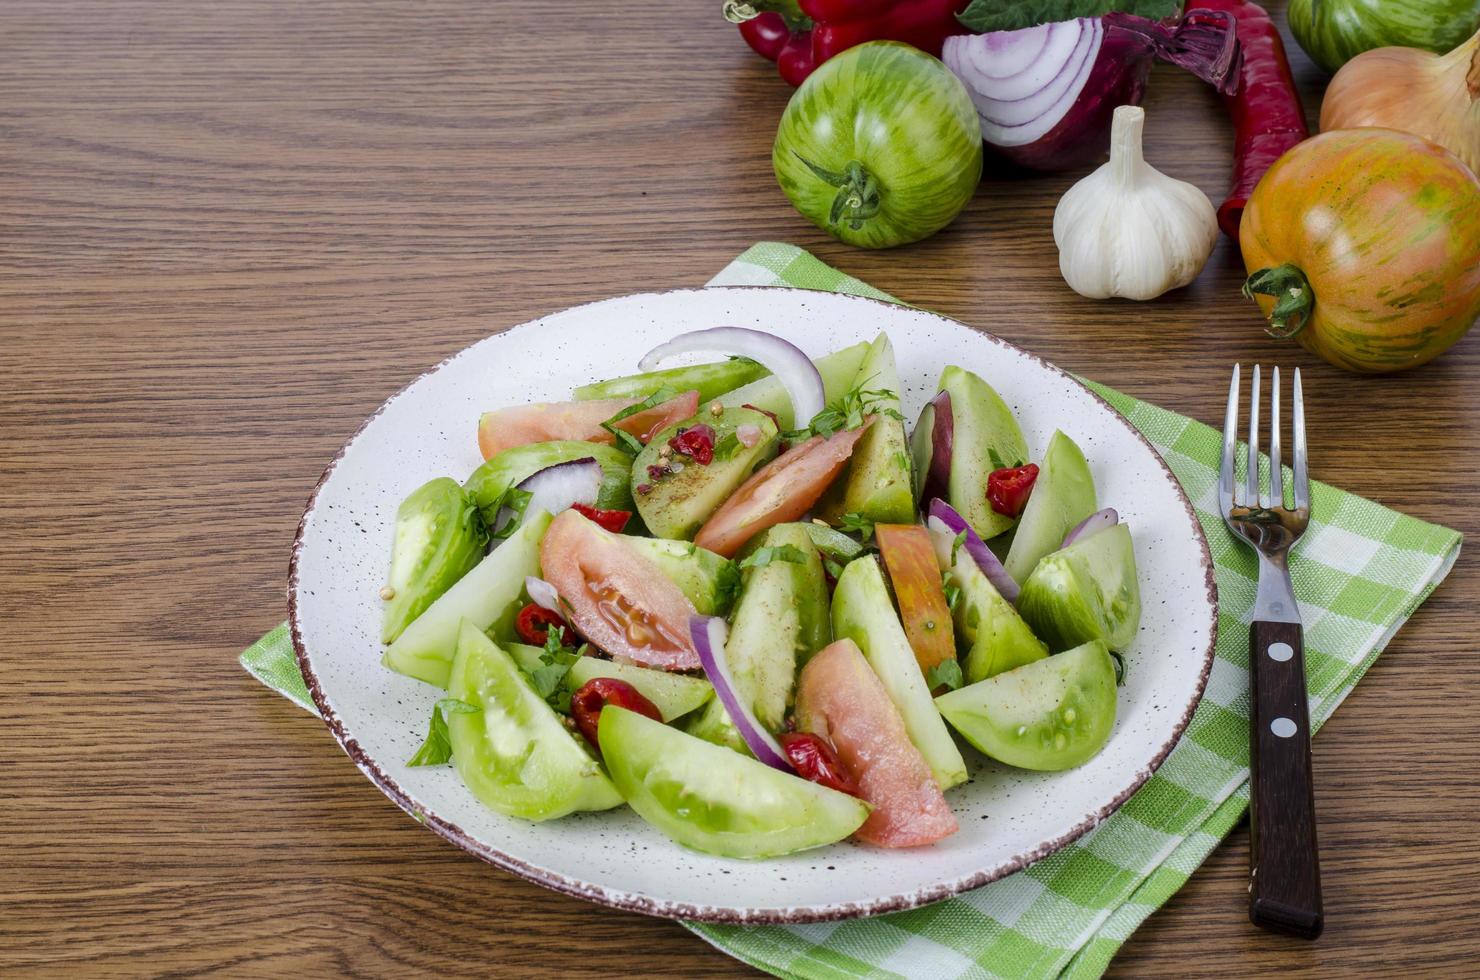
781	619
905	119
489	596
1063	495
864	613
710	380
515	754
1049	715
506	469
1333	32
439	537
878	482
717	801
984	429
995	635
674	695
1087	591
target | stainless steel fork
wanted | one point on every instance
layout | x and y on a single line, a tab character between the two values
1284	868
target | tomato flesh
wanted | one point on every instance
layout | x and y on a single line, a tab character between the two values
619	599
612	520
520	425
840	698
914	572
533	624
1008	489
814	759
781	491
588	700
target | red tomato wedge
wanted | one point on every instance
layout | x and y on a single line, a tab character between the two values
839	698
782	490
914	572
618	599
520	425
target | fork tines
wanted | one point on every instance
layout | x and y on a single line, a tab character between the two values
1229	496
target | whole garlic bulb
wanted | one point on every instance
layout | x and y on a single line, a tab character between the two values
1128	229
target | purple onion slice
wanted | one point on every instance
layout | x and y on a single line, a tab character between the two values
709	634
1093	524
932	446
945	525
554	488
793	368
542	594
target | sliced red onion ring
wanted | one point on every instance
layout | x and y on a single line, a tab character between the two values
794	369
945	524
542	594
931	447
1093	524
555	488
709	634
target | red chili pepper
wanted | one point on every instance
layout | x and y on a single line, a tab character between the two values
799	40
612	520
533	624
1008	489
816	760
1268	118
695	442
597	693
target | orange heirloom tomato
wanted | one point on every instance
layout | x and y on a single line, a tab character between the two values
520	425
915	574
1364	245
782	490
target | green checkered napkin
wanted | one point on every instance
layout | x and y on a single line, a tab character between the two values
1361	571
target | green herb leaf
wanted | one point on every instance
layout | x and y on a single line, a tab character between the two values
855	523
626	440
956	544
437	749
516	500
833	566
762	557
727	446
953	595
1013	15
995	459
947	673
555	663
728	583
848	412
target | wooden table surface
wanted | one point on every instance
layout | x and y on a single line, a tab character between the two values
228	230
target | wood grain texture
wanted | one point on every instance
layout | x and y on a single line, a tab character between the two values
228	230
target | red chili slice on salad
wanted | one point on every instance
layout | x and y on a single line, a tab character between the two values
613	520
814	759
1008	489
533	624
696	442
597	693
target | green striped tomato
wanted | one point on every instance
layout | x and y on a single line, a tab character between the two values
1364	244
1333	32
880	146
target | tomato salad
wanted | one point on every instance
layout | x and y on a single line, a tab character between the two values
743	599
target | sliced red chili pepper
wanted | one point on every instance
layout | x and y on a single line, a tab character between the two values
816	760
597	693
533	624
695	442
1008	489
612	520
769	415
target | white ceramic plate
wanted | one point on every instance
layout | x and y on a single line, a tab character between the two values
1008	817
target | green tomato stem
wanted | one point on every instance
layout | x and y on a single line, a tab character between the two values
859	195
1294	299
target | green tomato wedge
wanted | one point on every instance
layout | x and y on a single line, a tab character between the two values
863	612
677	505
1049	715
781	619
439	536
996	637
515	753
714	725
717	801
708	580
880	146
1087	591
709	380
838	370
1063	495
674	695
506	469
985	437
488	596
878	482
833	543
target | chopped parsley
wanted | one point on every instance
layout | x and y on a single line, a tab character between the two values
437	749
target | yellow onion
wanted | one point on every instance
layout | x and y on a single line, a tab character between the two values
1430	95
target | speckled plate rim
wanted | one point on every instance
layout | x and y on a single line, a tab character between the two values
646	905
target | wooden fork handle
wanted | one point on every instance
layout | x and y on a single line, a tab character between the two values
1284	869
